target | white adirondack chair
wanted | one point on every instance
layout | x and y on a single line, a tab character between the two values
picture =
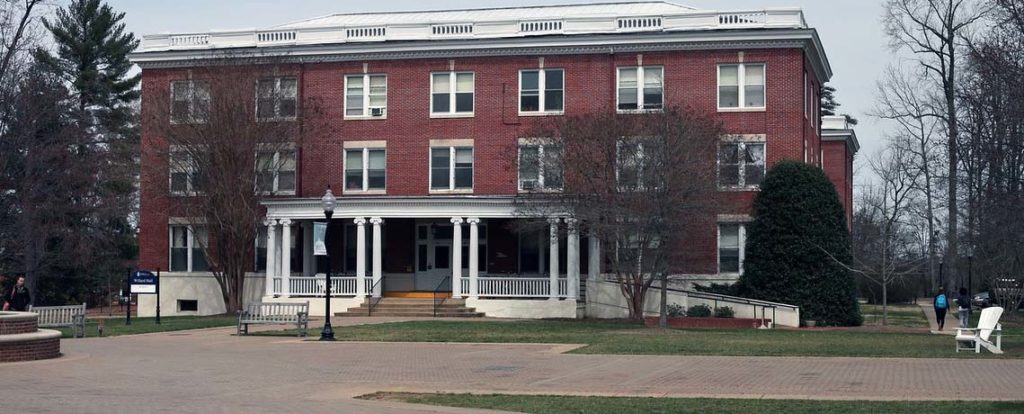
978	337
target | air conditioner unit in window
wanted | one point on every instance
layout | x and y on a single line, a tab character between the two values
376	111
529	185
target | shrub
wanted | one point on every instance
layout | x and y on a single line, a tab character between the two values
724	312
699	311
797	219
675	310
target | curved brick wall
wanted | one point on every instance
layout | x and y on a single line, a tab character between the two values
11	323
22	340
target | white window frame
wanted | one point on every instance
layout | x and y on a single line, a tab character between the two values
639	88
742	240
190	245
641	157
366	109
275	190
451	169
366	171
742	141
277	99
542	91
190	116
452	88
541	185
741	79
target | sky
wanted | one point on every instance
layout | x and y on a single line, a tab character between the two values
850	30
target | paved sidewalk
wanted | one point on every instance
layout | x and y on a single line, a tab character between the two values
952	318
211	371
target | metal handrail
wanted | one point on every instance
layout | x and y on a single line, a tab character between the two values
437	289
374	300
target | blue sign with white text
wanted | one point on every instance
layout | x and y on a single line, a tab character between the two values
143	277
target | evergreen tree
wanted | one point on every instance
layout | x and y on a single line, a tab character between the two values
797	245
829	104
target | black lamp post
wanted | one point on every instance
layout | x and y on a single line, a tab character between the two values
327	334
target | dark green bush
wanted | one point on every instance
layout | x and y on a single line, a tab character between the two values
796	246
725	312
675	310
699	311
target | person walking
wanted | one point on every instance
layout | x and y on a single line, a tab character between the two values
17	298
963	304
941	306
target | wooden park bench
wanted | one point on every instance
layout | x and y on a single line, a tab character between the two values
260	313
979	337
62	316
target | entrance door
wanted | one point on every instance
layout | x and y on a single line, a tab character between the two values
433	256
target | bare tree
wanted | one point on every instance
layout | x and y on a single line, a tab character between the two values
934	31
901	100
16	34
224	138
637	182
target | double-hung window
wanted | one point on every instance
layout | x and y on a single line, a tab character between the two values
451	94
185	174
190	102
451	168
275	172
366	96
741	86
365	169
741	164
277	98
641	88
542	91
731	241
540	166
632	164
187	248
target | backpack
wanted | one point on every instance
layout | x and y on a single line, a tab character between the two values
940	301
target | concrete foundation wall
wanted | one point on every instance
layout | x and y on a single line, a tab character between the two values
605	300
524	308
202	288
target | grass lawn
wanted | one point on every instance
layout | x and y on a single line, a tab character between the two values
627	338
597	405
116	327
905	316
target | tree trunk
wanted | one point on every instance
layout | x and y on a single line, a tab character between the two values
663	319
885	304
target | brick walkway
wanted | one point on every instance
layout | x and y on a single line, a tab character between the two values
211	371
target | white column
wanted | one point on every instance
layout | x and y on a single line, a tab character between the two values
474	257
573	257
456	257
286	255
360	257
271	253
594	258
376	256
553	259
308	260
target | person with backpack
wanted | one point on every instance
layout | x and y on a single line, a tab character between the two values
941	306
963	304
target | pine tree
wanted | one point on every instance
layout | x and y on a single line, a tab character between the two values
829	104
795	243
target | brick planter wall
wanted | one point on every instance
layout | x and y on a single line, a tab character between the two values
15	324
690	322
30	350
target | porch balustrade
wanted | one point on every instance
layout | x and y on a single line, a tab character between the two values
519	287
314	286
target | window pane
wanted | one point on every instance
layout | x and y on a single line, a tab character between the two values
627	89
553	166
463	168
729	236
529	253
354	169
179	236
627	78
441	103
287	108
729	175
728	96
441	83
652	77
265	107
754	75
376	172
201	100
464	102
376	179
179	91
529	101
286	161
289	88
754	169
439	171
728	75
529	166
441	257
530	80
553	100
354	179
729	260
464	82
753	96
286	181
553	79
421	258
179	182
179	259
729	248
376	159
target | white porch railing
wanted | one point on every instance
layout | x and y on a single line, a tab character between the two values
314	285
519	287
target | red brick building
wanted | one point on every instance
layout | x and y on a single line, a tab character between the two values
428	106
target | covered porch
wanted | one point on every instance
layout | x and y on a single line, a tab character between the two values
479	249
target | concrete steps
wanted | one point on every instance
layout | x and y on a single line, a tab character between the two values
414	307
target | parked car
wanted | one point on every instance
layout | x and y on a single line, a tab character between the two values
981	300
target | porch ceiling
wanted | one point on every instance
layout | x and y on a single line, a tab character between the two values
398	207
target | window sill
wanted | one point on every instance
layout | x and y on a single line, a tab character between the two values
639	111
185	194
761	109
276	119
364	118
277	193
739	189
188	123
538	113
541	191
455	191
455	115
364	192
